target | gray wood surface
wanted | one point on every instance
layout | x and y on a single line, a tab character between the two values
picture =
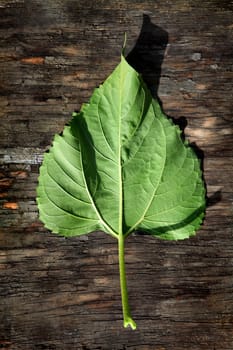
58	293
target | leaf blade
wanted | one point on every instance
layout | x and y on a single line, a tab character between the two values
121	164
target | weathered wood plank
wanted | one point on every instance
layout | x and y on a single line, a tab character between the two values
58	293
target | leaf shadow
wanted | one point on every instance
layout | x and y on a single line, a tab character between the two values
147	57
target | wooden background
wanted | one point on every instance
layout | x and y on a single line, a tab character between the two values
58	293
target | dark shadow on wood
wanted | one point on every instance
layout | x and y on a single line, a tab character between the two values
148	53
214	198
147	57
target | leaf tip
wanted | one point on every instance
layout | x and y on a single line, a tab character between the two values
124	45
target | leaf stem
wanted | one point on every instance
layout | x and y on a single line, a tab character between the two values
128	321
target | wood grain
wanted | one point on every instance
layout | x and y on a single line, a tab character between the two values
58	293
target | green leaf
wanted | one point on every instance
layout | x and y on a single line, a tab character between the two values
121	166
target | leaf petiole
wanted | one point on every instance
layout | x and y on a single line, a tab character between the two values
128	321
